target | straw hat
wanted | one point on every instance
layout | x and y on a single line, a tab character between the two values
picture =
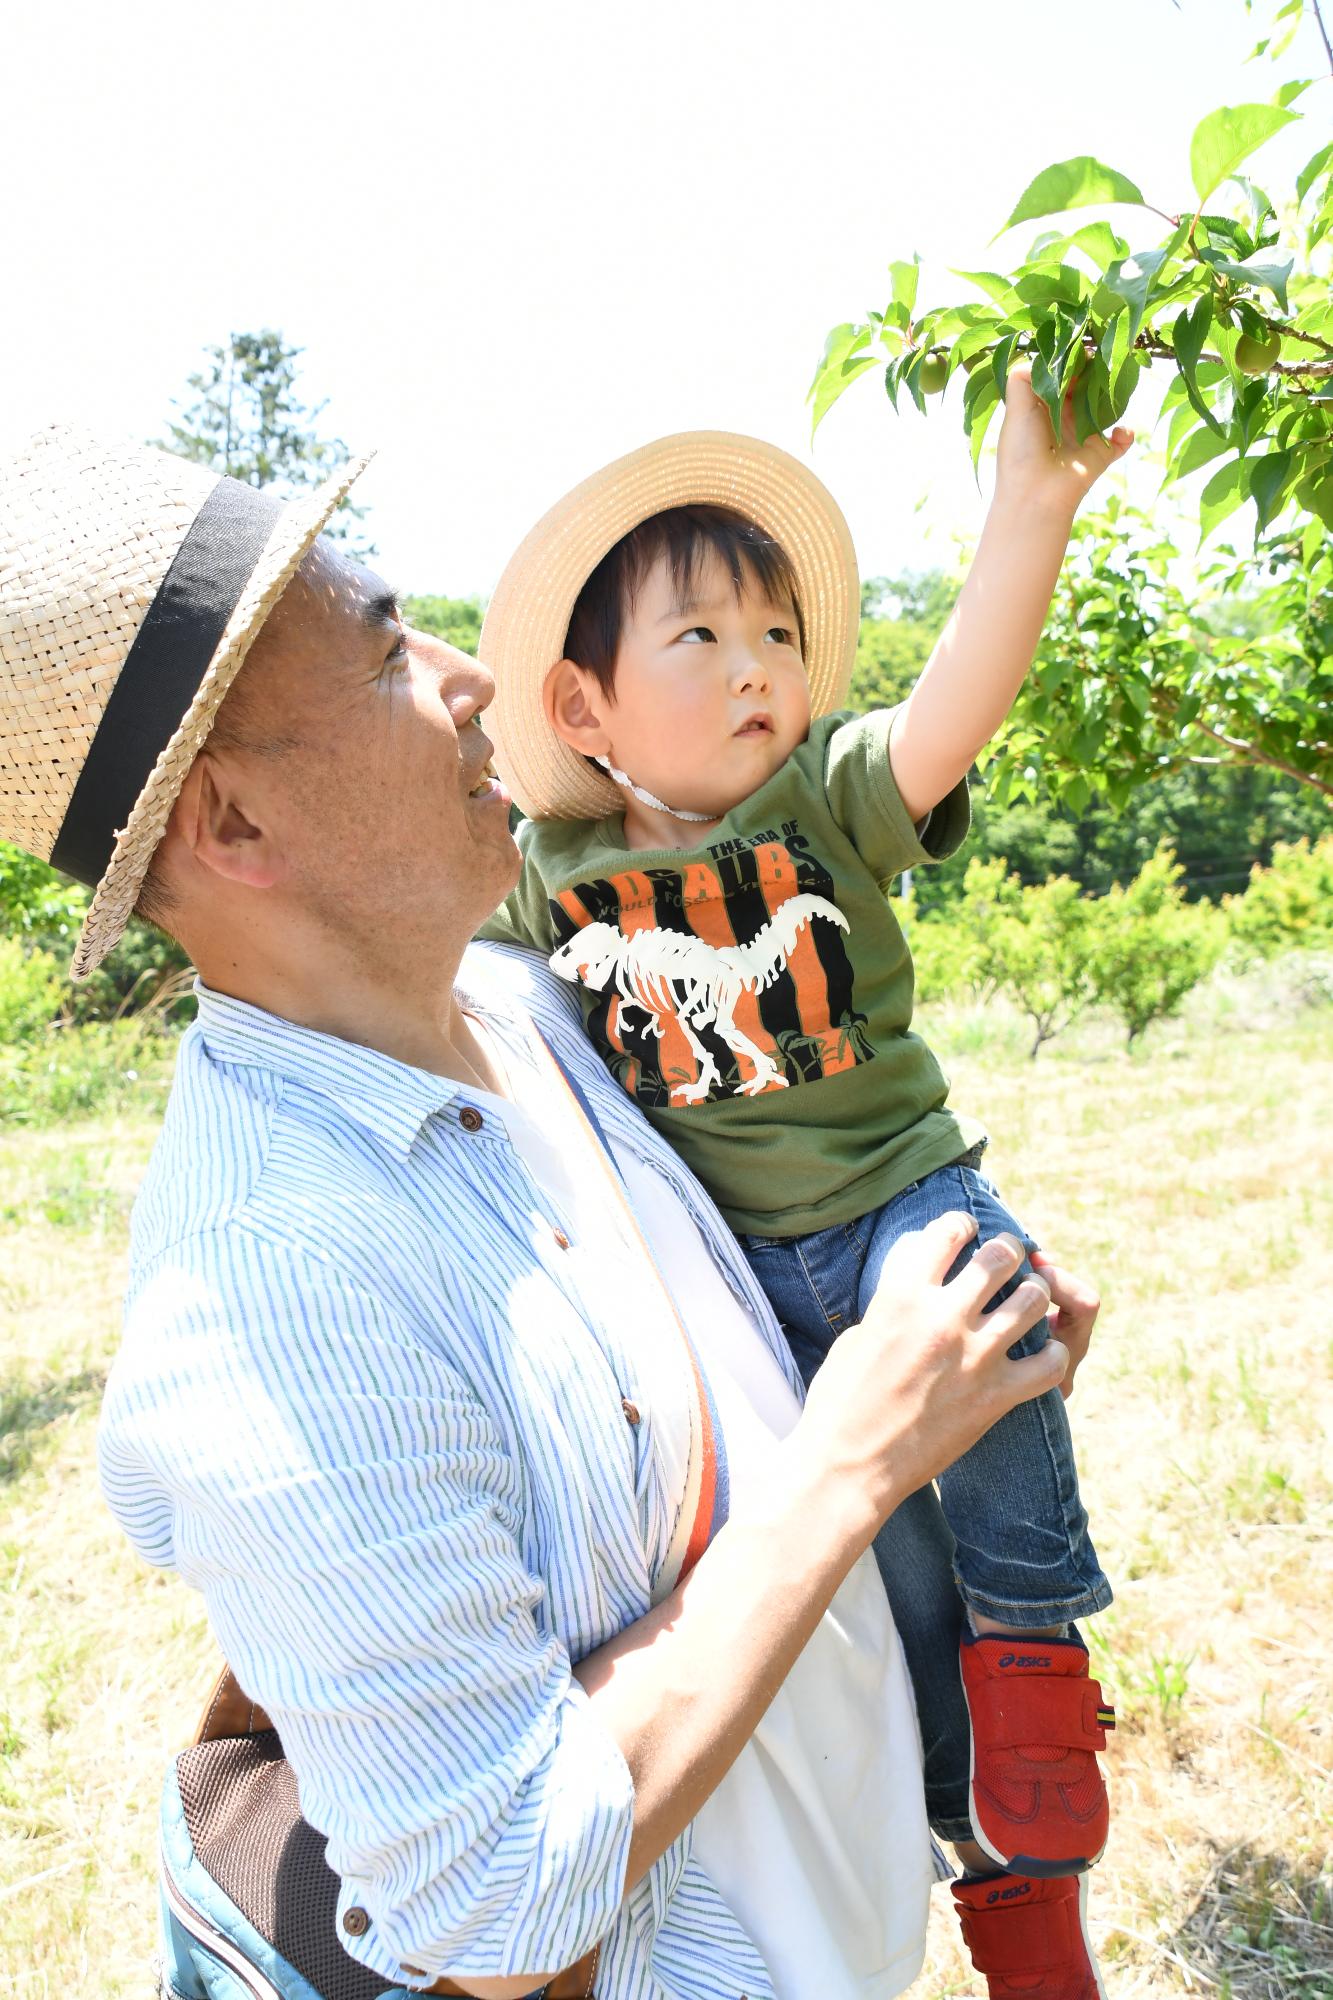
524	632
132	585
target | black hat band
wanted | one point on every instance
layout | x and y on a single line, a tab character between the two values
172	651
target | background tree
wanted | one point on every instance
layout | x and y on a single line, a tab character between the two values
1150	948
246	419
457	619
1232	307
1220	816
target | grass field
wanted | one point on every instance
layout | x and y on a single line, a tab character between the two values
1194	1182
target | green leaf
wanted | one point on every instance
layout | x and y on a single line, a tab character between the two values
909	376
1130	278
1256	270
1184	418
905	276
1317	495
1046	384
1313	169
981	399
1098	241
1287	93
1203	447
1063	286
991	283
1124	384
1226	137
1001	359
1090	393
833	383
1267	481
1312	542
1188	334
842	362
1072	183
1227	490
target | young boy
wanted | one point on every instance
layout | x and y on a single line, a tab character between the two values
684	623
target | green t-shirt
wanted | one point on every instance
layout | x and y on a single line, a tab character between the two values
754	994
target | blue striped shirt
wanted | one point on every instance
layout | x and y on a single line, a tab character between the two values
361	1407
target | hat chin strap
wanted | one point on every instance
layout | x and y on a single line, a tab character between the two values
646	798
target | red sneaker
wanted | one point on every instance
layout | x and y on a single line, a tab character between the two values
1029	1936
1038	1800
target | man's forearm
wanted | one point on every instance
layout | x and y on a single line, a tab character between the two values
972	678
684	1689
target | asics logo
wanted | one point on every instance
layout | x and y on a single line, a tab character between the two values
1022	1660
1008	1895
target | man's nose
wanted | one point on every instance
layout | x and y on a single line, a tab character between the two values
466	687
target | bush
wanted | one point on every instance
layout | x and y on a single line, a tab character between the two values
1150	947
1288	906
29	991
70	1071
943	958
1034	944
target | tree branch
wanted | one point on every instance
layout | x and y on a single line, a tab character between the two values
1159	349
1328	46
1249	753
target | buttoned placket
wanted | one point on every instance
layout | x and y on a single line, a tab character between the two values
475	1123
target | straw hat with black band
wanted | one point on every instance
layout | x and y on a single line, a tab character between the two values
528	617
132	585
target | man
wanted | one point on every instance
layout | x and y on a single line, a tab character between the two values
402	1391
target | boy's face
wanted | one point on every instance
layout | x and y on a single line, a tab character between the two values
710	695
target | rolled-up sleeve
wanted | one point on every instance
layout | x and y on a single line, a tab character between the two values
353	1521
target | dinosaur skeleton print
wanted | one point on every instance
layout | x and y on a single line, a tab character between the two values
721	978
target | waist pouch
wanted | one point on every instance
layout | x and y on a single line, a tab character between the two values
249	1902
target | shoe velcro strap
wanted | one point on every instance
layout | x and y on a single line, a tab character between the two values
1021	1937
1039	1708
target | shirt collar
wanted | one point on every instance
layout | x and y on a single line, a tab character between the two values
391	1100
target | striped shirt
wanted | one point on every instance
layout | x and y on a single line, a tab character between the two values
361	1407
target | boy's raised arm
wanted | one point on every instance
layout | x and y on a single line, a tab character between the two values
972	678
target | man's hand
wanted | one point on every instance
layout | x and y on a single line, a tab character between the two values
927	1371
1031	468
1075	1306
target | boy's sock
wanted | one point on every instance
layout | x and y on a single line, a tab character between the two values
1029	1936
1037	1798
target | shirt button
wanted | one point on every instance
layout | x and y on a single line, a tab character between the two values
470	1118
356	1922
562	1241
631	1410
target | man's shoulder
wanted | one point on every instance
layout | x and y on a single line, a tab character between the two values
244	1150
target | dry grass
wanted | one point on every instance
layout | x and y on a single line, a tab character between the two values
1195	1182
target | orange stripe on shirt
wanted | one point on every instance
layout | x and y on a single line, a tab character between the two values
638	912
779	882
707	915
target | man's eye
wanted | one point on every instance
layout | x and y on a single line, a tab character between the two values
698	635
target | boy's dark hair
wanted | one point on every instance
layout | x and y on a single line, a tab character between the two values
686	537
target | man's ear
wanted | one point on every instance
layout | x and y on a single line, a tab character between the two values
211	823
575	706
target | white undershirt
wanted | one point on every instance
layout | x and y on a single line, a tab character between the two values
817	1836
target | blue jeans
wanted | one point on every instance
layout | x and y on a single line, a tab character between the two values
1006	1532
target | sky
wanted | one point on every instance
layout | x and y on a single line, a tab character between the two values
517	239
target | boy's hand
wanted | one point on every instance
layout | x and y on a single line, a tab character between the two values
1031	467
